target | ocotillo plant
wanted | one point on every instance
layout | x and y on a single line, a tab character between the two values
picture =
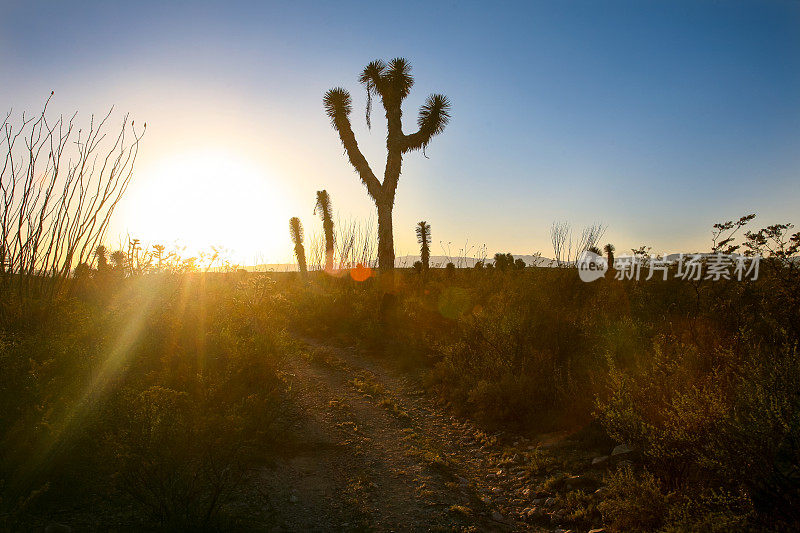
424	240
392	82
296	232
325	213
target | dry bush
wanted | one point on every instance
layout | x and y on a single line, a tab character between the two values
167	390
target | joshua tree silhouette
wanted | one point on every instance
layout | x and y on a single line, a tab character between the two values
325	213
296	231
609	250
424	240
391	82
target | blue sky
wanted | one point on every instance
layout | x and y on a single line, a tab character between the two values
655	118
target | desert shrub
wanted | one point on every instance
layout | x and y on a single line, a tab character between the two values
183	460
578	507
713	511
336	307
524	352
711	401
637	500
634	501
665	408
165	389
733	428
696	375
187	431
757	442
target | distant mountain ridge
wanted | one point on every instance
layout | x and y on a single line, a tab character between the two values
440	261
407	261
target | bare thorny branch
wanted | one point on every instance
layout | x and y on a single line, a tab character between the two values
565	250
58	190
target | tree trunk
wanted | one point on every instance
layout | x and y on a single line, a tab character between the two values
300	253
328	251
385	239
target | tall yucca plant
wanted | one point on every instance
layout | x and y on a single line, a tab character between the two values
392	82
424	240
326	214
296	232
609	249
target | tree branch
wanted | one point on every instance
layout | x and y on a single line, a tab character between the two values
433	117
337	106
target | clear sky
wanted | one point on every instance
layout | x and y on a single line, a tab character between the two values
657	118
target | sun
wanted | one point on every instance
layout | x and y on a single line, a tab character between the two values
206	198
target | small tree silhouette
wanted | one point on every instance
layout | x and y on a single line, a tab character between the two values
519	264
82	272
503	261
118	260
609	250
102	258
296	232
325	213
500	261
424	240
392	82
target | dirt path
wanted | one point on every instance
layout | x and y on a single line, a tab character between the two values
376	453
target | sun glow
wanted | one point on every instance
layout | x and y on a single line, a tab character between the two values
208	198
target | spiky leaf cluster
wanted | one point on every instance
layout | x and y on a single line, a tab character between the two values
296	230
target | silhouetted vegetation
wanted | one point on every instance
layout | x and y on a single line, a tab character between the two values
296	233
157	390
391	82
609	250
138	390
505	262
568	248
145	399
699	378
326	214
59	186
424	240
